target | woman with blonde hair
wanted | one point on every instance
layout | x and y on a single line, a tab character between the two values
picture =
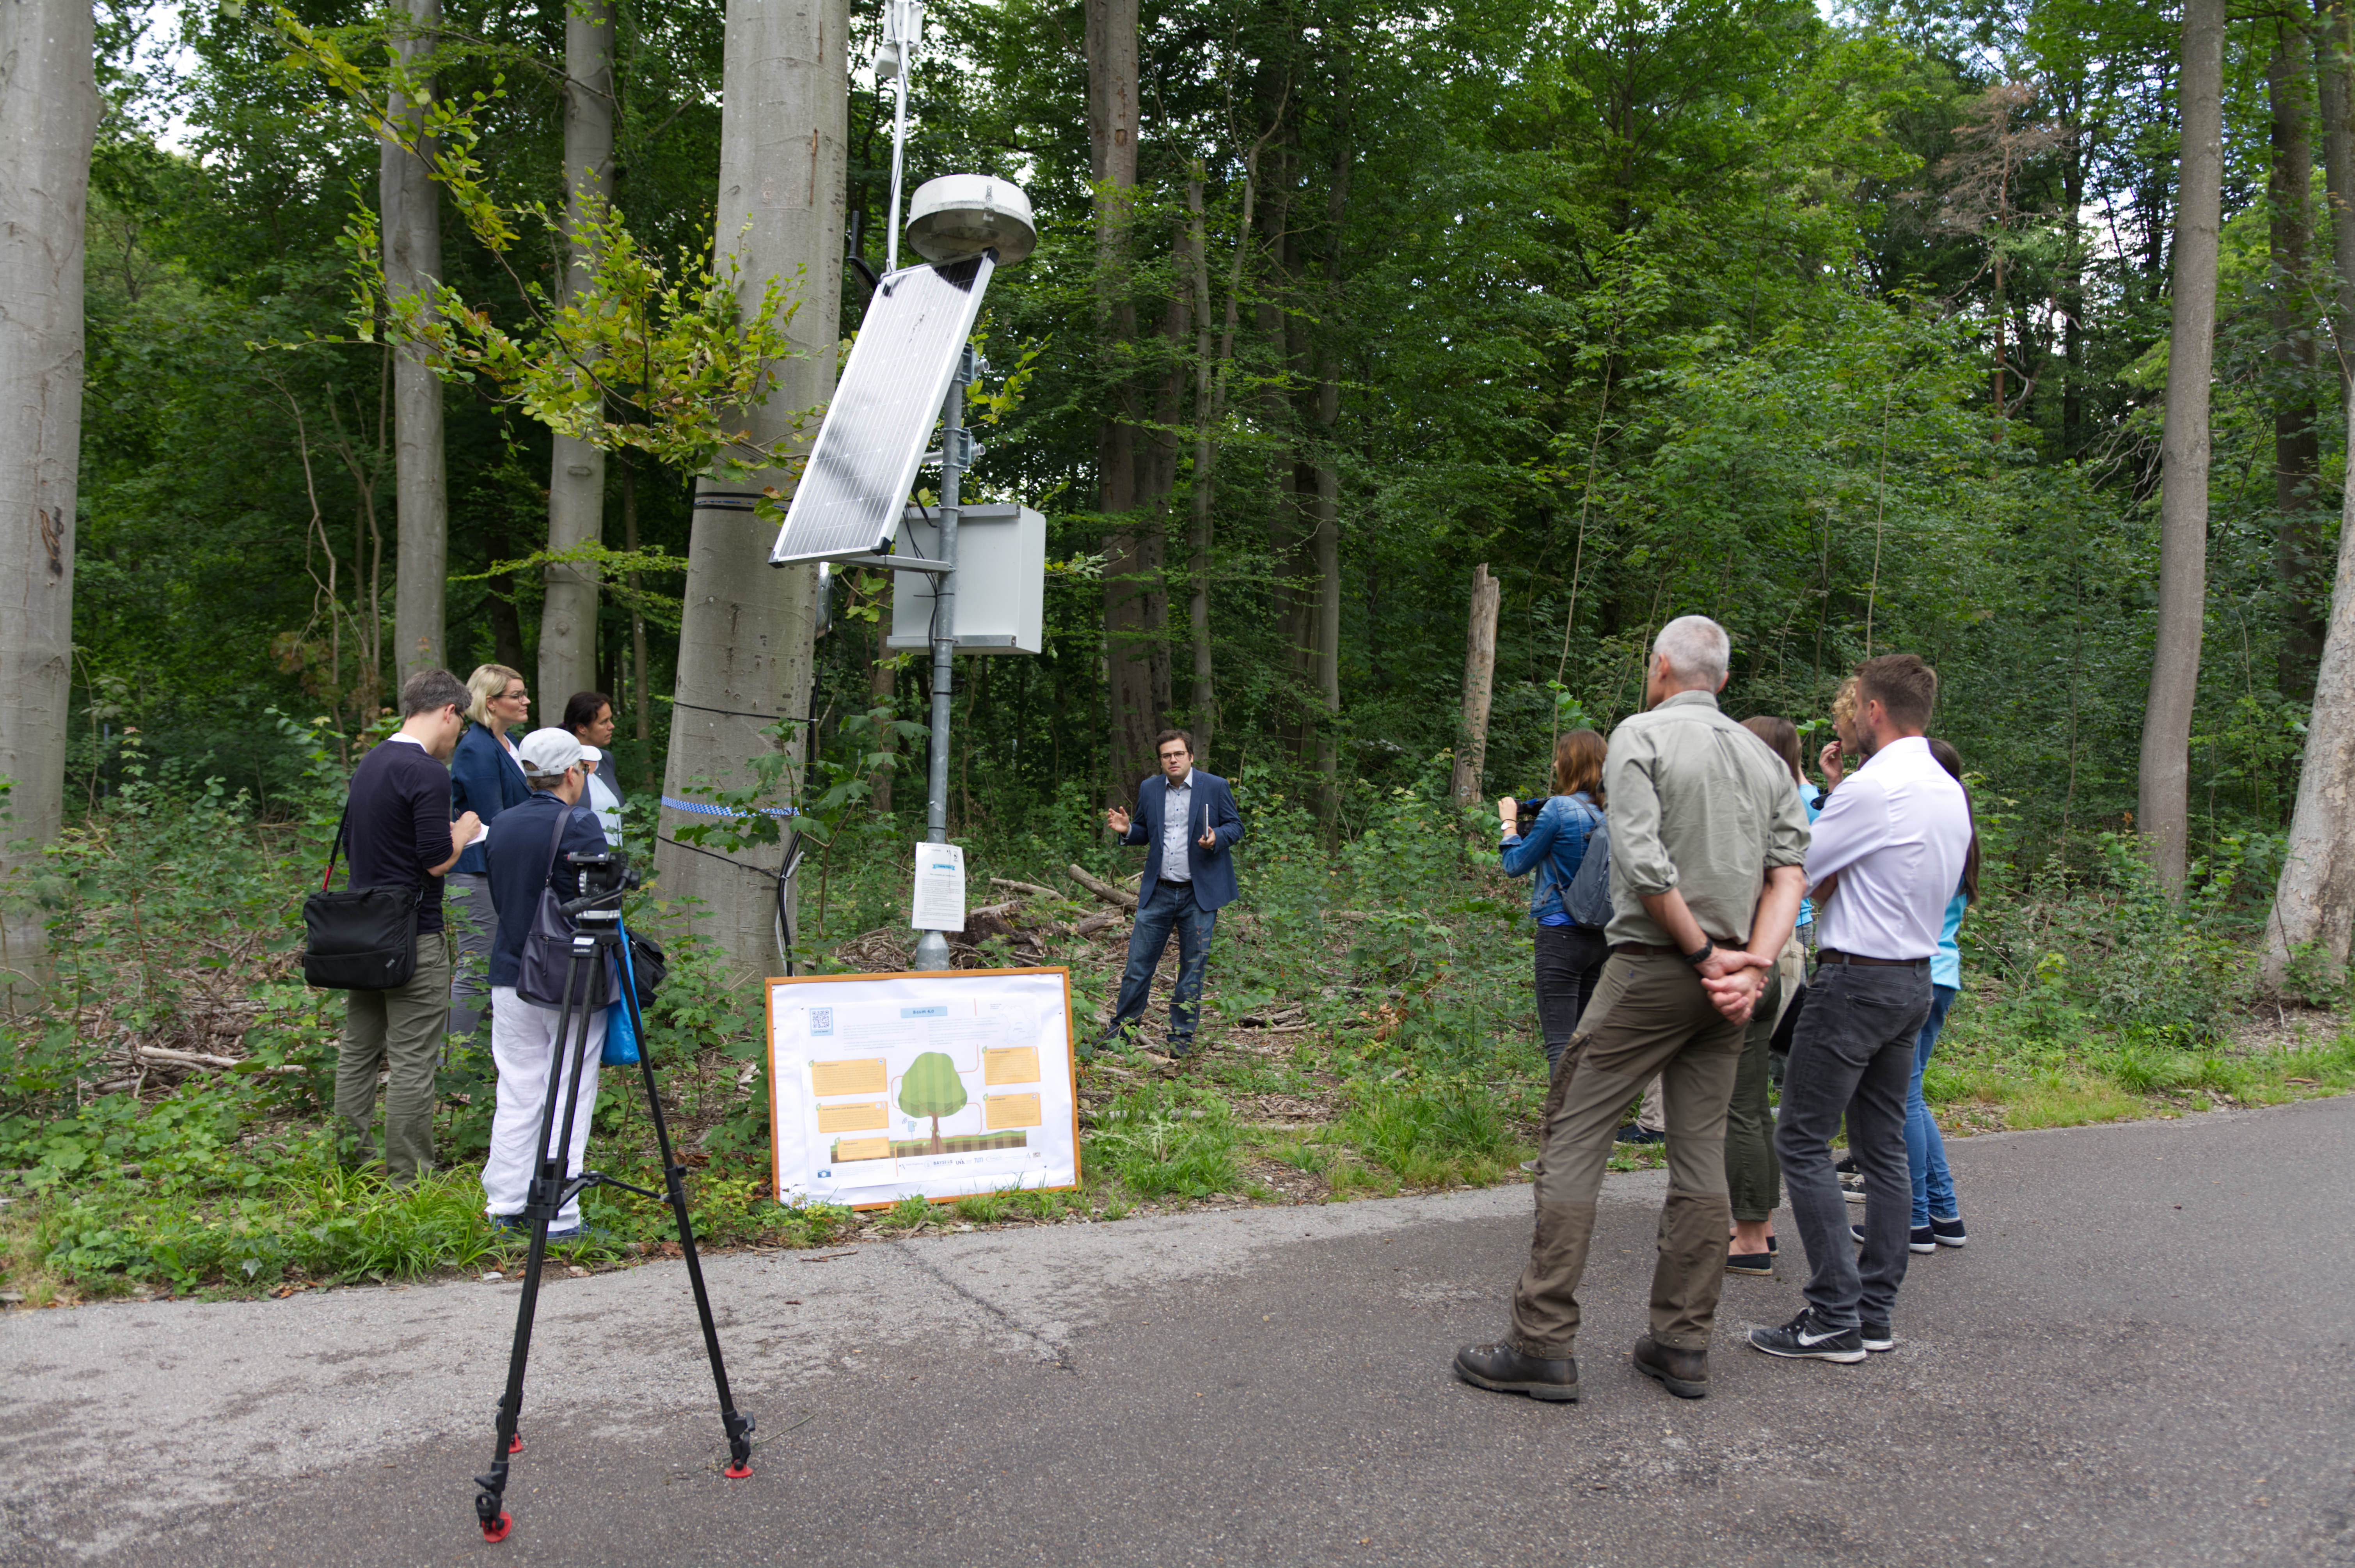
1569	956
486	777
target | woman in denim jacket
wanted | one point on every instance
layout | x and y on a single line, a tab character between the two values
1569	956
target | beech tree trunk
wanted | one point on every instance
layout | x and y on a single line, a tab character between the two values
1324	543
1131	564
2314	903
411	211
49	118
576	470
1479	673
748	630
2289	197
2165	794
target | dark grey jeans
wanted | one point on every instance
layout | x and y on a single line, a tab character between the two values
1569	966
1852	1054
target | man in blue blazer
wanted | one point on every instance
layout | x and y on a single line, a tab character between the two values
1185	819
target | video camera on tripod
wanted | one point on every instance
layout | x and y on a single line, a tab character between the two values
598	942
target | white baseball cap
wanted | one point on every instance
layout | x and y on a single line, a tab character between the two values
548	753
590	754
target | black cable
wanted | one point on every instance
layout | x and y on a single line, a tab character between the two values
699	849
738	712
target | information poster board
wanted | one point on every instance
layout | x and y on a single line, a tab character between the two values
937	1085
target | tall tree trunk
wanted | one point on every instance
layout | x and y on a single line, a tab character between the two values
1325	550
49	118
1479	675
576	469
748	630
641	700
2289	197
2165	795
1132	553
1210	408
2072	277
2314	903
411	219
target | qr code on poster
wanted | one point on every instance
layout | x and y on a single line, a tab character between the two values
821	1019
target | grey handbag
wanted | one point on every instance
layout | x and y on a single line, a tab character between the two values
547	946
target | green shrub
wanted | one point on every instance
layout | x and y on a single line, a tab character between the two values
1159	1140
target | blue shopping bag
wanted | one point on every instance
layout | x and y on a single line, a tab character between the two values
621	1039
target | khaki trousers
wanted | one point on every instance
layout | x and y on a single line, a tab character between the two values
1651	1016
401	1031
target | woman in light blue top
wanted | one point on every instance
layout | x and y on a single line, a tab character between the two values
1569	956
1937	1220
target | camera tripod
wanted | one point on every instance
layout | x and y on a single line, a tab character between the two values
599	942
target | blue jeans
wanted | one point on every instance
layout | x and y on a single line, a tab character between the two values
1925	1151
1171	907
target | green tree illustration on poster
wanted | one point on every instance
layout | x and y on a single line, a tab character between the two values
932	1089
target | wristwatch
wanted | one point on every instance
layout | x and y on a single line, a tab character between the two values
1701	958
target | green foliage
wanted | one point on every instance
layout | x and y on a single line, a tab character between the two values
1161	1140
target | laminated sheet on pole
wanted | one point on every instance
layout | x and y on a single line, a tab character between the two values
978	1089
880	421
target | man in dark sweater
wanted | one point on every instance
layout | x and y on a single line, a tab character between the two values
398	832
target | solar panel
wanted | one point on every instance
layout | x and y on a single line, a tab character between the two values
880	421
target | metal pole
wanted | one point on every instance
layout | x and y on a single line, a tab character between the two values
932	947
896	20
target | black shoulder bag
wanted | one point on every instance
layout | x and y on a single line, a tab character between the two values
363	938
547	946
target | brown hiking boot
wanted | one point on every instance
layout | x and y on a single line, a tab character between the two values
1507	1370
1684	1374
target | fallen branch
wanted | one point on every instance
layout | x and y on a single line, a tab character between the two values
1097	922
1101	889
1031	888
200	1059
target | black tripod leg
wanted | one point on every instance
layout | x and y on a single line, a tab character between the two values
546	1197
738	1427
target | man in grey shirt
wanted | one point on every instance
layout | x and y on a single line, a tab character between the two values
1707	842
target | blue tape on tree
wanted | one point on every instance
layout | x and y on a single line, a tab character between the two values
701	809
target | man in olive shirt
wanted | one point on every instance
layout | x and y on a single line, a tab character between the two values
1707	842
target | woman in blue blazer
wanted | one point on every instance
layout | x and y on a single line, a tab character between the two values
485	778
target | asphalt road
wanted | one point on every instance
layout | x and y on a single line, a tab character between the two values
2143	1357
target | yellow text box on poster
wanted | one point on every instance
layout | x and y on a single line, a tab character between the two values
1012	1065
1009	1110
863	1149
865	1076
867	1116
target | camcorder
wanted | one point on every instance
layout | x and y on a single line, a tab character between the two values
603	879
1530	806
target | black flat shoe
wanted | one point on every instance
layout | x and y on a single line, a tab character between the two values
1754	1264
1505	1370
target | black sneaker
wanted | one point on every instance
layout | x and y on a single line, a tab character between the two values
1852	1187
1946	1232
1919	1239
1844	1165
1805	1339
1631	1133
1876	1336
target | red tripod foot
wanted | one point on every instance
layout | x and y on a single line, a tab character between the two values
514	1444
738	1472
496	1533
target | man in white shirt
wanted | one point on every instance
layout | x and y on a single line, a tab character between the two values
1886	853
